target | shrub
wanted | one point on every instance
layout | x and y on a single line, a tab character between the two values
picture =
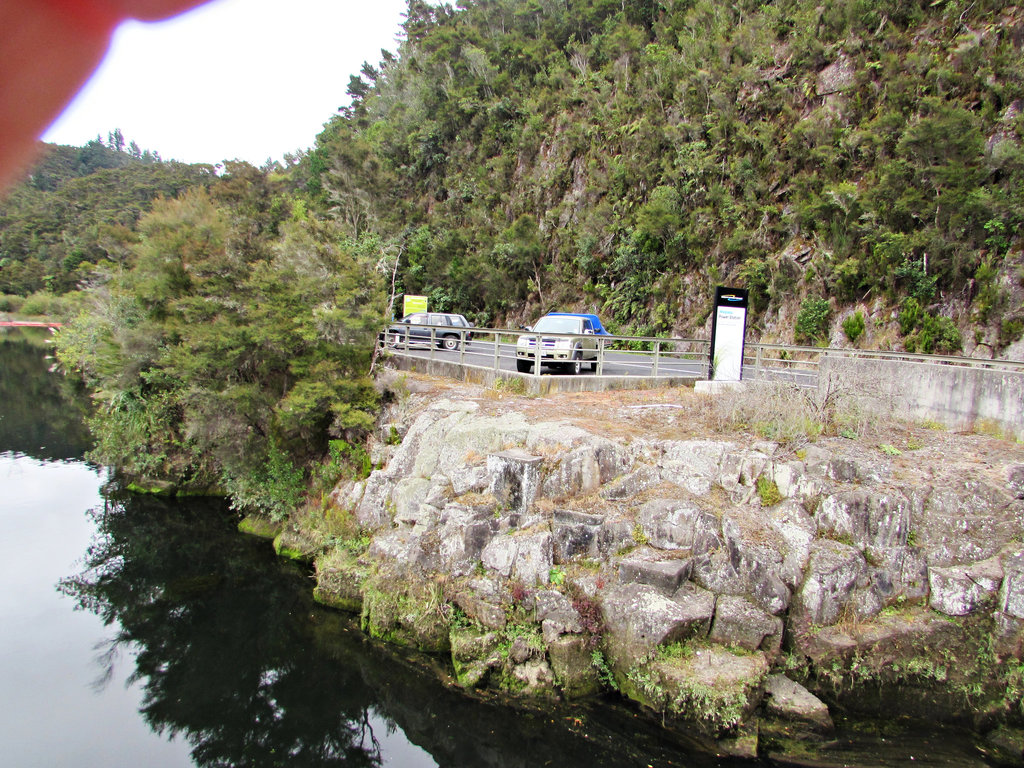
853	326
987	298
1011	329
812	319
10	303
910	315
276	488
939	335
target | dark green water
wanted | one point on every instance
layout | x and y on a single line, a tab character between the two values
139	631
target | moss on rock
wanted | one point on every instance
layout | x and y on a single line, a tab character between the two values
297	545
339	580
573	666
712	686
258	525
408	614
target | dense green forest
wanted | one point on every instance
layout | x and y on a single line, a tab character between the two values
856	164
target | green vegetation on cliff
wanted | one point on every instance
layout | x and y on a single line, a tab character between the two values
627	158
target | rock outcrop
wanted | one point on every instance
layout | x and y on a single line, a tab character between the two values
714	581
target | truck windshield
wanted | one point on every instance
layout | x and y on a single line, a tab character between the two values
558	324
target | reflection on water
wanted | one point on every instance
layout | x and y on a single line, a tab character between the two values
234	656
40	414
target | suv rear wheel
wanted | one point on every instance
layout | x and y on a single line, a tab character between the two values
450	342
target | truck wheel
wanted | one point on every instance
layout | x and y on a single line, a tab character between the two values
523	366
451	343
576	365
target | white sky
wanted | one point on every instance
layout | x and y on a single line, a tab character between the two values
233	79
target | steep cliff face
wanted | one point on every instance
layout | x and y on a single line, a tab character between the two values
565	544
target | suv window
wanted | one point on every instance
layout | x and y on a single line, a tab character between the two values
419	318
458	320
438	320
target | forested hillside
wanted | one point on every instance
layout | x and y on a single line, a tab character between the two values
856	165
79	208
627	157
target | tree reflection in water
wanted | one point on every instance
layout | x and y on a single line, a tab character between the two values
43	416
233	655
224	639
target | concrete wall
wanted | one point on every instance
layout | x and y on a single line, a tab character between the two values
536	385
955	396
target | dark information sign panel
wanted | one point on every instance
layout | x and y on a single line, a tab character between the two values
728	331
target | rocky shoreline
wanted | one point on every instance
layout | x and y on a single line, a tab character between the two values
747	588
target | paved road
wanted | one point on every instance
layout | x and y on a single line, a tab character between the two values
482	353
616	363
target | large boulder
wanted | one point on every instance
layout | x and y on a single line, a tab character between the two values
584	469
741	624
526	557
867	518
462	534
632	484
796	531
556	615
374	508
515	480
339	580
711	686
960	590
692	464
787	699
575	534
405	613
570	657
664	575
961	520
1011	593
748	563
639	618
679	524
833	573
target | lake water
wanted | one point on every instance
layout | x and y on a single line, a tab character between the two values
136	631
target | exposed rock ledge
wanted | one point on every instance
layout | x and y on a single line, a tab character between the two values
562	545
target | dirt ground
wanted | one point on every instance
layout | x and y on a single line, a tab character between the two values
787	417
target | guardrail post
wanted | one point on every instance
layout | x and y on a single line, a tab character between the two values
536	355
657	355
497	346
433	341
600	357
757	364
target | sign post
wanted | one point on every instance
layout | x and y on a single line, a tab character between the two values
728	332
412	304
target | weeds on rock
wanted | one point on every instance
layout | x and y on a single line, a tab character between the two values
768	492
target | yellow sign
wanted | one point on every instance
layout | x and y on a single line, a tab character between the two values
412	304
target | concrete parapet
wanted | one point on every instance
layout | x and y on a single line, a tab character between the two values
537	385
958	397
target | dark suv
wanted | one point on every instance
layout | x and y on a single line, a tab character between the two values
449	331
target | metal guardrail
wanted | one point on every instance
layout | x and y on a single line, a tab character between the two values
495	348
